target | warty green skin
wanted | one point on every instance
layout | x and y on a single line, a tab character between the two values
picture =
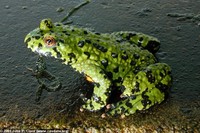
120	60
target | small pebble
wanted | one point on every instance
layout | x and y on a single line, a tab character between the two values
24	7
7	6
122	116
103	115
60	9
81	109
108	106
146	10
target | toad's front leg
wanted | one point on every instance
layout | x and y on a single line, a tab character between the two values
101	89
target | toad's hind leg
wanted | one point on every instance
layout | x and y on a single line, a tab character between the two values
146	88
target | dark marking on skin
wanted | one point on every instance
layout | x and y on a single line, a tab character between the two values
116	70
97	33
133	91
136	88
103	49
62	41
143	94
148	57
96	98
121	34
122	108
124	56
136	70
48	24
132	63
88	41
85	32
169	72
128	37
107	93
114	55
101	72
161	75
126	112
136	56
58	25
119	80
139	44
66	33
162	87
91	106
39	45
104	63
51	31
119	103
96	45
141	39
88	54
110	75
73	30
115	113
145	100
164	70
132	97
152	46
71	55
81	43
128	104
58	53
122	88
40	32
120	40
99	47
28	40
37	37
102	103
150	77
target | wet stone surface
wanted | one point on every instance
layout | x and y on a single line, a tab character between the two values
60	110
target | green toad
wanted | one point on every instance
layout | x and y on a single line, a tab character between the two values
121	65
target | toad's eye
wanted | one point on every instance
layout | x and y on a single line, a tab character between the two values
49	41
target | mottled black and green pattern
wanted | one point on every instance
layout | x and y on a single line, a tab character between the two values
122	61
